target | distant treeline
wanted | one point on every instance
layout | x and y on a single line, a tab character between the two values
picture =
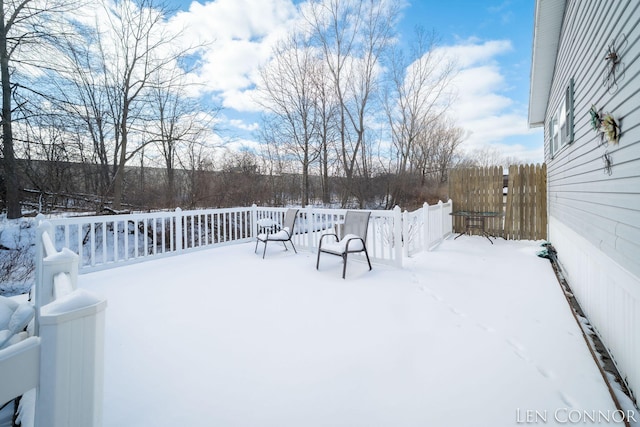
63	186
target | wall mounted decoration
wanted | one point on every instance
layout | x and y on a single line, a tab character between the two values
606	125
610	129
596	119
608	163
614	69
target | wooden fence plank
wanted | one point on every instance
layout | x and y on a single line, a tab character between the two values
478	189
481	189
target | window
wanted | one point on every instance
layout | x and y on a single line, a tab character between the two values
568	113
553	131
561	124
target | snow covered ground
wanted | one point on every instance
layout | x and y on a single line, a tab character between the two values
471	334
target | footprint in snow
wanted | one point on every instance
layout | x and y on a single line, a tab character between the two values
456	311
486	328
568	400
437	297
545	372
431	293
519	349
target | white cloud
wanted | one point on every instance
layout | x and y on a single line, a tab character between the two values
472	52
241	124
238	36
483	106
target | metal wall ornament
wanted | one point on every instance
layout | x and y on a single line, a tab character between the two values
596	118
615	68
608	163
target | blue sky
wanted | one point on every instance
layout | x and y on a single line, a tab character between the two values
490	40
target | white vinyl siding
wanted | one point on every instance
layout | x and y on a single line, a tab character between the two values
603	208
594	213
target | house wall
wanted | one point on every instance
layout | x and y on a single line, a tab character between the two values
594	214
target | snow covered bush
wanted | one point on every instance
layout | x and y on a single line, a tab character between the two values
17	250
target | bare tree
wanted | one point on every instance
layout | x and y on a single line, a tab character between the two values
196	161
436	151
326	110
84	99
353	34
26	26
178	126
138	46
490	156
289	94
416	100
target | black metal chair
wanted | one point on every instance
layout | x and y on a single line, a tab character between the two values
283	235
353	239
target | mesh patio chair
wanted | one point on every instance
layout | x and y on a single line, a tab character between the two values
353	238
283	235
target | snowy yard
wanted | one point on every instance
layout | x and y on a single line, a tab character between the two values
471	334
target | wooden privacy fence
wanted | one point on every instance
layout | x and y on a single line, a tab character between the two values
477	190
526	209
524	203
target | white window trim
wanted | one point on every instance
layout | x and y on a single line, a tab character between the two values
561	123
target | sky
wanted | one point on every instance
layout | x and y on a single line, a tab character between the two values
491	42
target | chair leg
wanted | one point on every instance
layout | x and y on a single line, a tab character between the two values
318	261
265	249
256	249
367	255
344	266
293	246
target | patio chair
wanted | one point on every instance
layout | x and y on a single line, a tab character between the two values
284	234
353	238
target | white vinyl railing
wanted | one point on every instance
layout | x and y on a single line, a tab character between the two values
425	228
64	359
111	240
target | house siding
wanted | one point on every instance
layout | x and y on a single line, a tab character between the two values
588	204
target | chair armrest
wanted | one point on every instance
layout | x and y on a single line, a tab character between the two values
325	235
364	244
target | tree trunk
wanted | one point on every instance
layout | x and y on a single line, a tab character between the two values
118	182
10	169
325	174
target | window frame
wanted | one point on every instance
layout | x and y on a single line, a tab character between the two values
561	122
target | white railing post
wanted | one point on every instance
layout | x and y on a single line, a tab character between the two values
40	230
70	391
441	222
254	221
310	224
49	263
449	220
70	329
405	233
65	261
178	230
397	234
426	231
